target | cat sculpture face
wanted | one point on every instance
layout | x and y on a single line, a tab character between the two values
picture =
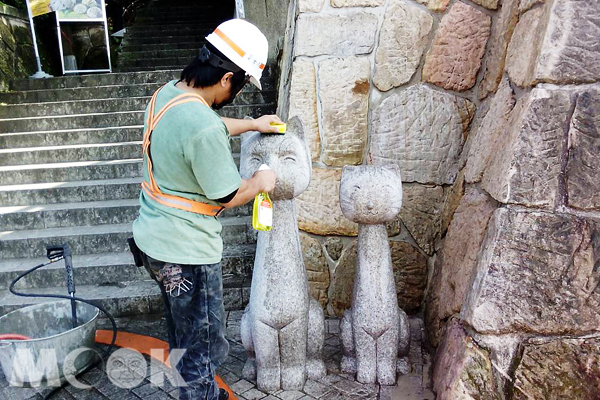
371	194
288	155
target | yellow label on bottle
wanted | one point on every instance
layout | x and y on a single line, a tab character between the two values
262	213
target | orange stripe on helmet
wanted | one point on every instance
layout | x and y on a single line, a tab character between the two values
230	42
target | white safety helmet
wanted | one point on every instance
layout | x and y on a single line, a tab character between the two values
244	45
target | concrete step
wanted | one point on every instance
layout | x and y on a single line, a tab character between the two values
48	216
69	153
127	298
73	121
36	194
146	54
107	119
192	44
88	213
109	268
156	63
162	39
59	108
93	80
100	239
70	171
84	136
80	93
249	95
189	23
75	171
71	136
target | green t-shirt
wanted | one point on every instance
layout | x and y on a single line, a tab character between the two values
191	158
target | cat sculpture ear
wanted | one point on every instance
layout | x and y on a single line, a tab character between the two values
394	168
295	127
249	134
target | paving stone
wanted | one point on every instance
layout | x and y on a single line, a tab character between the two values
241	386
254	394
315	389
289	395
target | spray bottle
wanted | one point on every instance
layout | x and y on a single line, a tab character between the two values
262	213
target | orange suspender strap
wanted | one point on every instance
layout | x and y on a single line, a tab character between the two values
151	188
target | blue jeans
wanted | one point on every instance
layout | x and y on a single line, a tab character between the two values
195	316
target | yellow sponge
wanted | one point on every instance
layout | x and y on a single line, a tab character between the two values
281	127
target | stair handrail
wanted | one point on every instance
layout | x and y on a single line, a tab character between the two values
239	9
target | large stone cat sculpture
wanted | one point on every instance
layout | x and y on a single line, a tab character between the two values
375	330
282	327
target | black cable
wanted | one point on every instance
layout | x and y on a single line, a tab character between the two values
58	296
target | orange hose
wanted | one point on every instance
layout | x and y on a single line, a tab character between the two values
144	344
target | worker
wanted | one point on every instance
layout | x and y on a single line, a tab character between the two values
189	177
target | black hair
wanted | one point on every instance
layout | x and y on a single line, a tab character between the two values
201	74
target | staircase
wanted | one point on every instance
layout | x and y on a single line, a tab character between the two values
70	168
168	34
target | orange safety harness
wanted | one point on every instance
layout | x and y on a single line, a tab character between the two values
151	188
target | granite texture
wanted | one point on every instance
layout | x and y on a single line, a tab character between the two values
316	268
583	185
422	213
459	258
344	85
488	135
303	103
462	369
310	5
493	63
282	327
526	163
435	5
536	273
570	51
345	34
357	3
375	331
524	47
559	369
459	44
402	41
319	209
422	130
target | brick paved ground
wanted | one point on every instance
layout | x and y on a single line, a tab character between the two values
153	383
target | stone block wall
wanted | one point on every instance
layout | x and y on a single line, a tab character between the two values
491	109
17	59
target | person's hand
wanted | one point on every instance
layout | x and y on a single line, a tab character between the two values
266	180
263	124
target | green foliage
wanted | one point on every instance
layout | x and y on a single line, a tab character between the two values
20	4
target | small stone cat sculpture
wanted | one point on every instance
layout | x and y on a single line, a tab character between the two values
375	331
282	327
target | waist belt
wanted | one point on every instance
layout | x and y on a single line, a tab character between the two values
151	188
